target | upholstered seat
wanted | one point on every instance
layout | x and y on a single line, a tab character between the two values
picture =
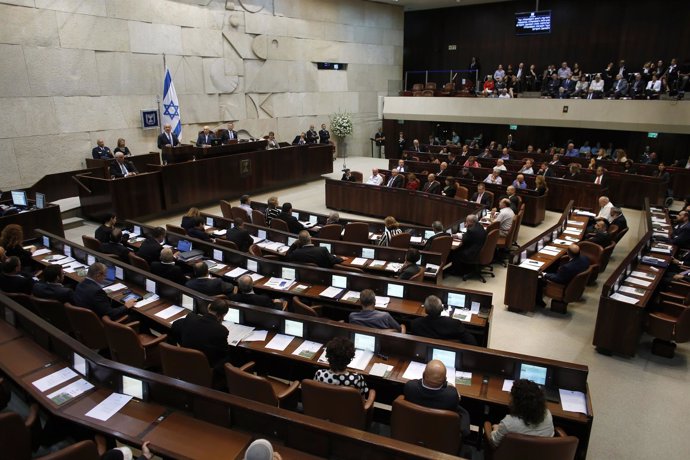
432	428
515	446
337	404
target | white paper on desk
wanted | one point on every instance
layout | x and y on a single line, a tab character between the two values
580	212
642	275
550	252
381	370
256	336
394	266
374	236
322	359
237	332
431	269
256	277
416	239
109	407
571	239
169	312
71	391
507	385
40	252
54	379
144	302
220	232
414	370
279	342
256	239
571	231
307	349
531	264
661	234
462	315
632	290
279	283
577	223
382	301
283	249
351	296
638	282
236	273
330	292
661	250
560	241
377	263
65	261
114	287
573	401
54	258
624	298
361	360
358	261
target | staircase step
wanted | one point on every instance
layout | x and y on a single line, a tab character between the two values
72	222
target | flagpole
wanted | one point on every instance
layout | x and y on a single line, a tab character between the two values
158	98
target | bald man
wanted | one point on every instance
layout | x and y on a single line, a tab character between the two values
100	151
205	137
577	263
433	391
121	167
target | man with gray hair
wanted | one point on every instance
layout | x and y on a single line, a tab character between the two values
504	217
304	251
245	286
605	207
166	267
89	294
121	167
100	151
205	137
370	317
333	218
435	326
437	227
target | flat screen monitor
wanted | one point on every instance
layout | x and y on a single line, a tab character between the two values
365	342
188	302
428	234
184	246
110	274
133	387
46	242
291	240
79	364
326	245
368	253
395	290
136	230
19	198
294	328
533	22
261	234
537	374
288	273
40	200
456	300
295	214
233	316
339	281
209	221
447	357
252	266
313	220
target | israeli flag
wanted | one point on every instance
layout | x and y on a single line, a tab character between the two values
171	106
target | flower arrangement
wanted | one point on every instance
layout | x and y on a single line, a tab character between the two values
341	124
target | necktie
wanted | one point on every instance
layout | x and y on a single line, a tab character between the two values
390	182
170	139
479	198
124	170
598	181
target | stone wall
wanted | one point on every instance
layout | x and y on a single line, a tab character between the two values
74	71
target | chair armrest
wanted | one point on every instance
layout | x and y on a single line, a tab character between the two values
122	319
680	287
369	403
133	325
32	418
672	308
290	390
248	366
101	444
317	308
284	303
156	341
671	296
559	432
403	329
488	428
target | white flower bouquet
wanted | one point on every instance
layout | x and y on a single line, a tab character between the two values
341	124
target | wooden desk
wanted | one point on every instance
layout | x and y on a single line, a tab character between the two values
48	219
141	162
406	205
127	197
189	152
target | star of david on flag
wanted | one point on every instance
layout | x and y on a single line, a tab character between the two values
171	106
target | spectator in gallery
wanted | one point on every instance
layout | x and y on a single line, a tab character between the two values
499	73
412	182
312	135
300	139
271	142
596	88
324	135
489	86
581	87
121	147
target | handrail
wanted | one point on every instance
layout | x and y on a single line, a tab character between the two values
81	184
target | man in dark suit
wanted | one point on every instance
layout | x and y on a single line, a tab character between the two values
90	295
197	230
566	89
433	391
245	286
121	167
115	246
472	243
102	233
545	170
432	185
100	151
312	135
205	137
293	224
437	227
599	236
576	264
204	333
12	279
239	235
205	284
150	249
620	87
369	316
166	268
396	180
480	196
304	251
601	178
300	139
410	267
347	176
51	287
618	219
229	134
681	232
324	135
556	161
167	138
511	194
435	326
443	170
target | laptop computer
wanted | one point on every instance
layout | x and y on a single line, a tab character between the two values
186	251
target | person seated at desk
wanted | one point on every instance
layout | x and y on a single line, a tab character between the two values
472	243
239	235
339	352
500	164
520	182
324	135
432	185
375	178
115	246
51	287
89	294
12	238
167	138
465	173
410	268
100	151
618	219
205	137
103	231
528	413
122	168
504	217
556	160
197	230
312	135
272	209
433	391
206	284
574	171
294	226
412	182
150	249
396	180
449	190
246	205
188	219
576	264
435	326
300	139
443	170
121	147
333	218
166	267
528	167
605	207
480	196
437	228
540	185
246	294
204	333
369	316
494	177
271	143
304	251
12	279
401	168
511	194
229	134
545	170
347	176
681	232
599	236
391	227
601	178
